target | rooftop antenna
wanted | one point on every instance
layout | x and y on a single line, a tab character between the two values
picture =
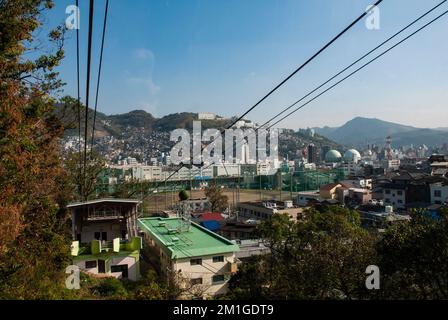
184	213
389	148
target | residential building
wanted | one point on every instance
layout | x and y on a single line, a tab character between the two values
206	116
357	183
328	191
439	193
249	248
305	197
197	205
200	260
359	195
403	189
264	210
312	153
229	169
390	164
105	239
147	173
237	230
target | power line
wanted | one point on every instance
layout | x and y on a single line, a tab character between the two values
294	72
346	68
360	68
99	76
352	64
305	63
79	95
89	57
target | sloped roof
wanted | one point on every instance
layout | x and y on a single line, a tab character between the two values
210	216
330	186
104	200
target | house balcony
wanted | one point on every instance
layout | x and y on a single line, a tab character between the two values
104	215
97	247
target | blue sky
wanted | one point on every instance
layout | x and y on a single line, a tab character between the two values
167	56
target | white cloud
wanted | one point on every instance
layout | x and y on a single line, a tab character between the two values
144	75
146	81
144	54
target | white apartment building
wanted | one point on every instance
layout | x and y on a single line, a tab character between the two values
395	197
439	193
200	260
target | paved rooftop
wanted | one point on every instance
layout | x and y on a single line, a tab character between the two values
196	242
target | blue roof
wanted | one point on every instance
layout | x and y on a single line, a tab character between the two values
211	225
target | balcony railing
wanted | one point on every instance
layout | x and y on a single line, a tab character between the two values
105	215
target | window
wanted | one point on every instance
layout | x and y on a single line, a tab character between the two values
195	262
437	193
97	235
387	191
400	201
218	259
101	266
123	268
196	281
90	264
399	192
219	278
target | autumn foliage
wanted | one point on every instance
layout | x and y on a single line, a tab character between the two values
32	180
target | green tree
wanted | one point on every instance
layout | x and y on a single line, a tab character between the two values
414	258
183	195
218	200
33	243
322	256
84	180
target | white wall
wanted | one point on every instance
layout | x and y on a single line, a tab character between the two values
394	199
442	189
206	271
88	231
129	261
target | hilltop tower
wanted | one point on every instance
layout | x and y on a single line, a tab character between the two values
389	148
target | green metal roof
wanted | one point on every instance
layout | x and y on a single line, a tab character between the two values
195	242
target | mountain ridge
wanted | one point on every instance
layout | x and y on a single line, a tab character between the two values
360	131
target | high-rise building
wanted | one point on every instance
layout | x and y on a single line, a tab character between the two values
312	153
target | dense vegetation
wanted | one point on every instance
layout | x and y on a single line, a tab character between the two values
325	256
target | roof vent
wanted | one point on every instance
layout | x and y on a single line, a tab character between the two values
172	230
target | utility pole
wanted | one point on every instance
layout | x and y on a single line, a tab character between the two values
290	183
166	199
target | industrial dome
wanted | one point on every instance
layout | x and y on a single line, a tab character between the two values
333	156
352	155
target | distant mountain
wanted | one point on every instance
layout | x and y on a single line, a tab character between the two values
115	125
362	131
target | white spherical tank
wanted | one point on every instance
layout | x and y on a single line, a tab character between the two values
352	156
